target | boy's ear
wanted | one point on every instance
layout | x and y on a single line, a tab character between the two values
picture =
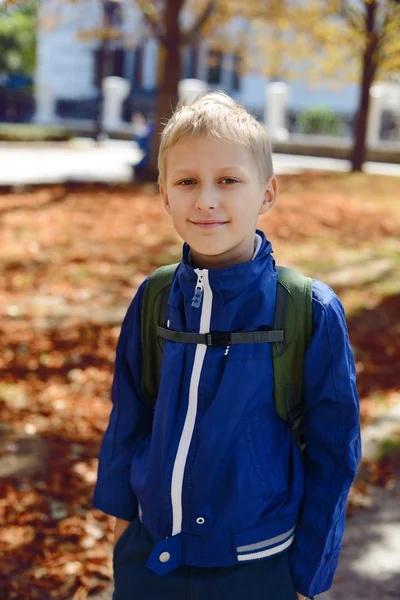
270	195
164	197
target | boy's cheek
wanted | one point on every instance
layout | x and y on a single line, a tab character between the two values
165	198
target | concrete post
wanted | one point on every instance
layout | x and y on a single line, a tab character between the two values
45	104
115	90
376	106
276	100
190	89
393	97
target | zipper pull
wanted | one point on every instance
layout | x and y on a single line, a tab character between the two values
198	291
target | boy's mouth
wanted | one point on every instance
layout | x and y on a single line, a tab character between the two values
208	224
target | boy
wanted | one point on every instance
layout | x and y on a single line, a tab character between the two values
211	493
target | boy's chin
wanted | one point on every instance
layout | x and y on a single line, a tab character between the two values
208	251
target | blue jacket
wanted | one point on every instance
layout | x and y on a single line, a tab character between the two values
215	474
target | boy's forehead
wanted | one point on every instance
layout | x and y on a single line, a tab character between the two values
208	141
221	153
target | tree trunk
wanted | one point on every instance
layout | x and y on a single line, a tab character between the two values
368	75
167	95
359	148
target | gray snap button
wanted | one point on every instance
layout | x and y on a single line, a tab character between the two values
200	520
164	557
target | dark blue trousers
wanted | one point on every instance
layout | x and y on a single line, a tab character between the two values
266	579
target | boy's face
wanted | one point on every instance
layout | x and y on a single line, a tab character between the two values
214	194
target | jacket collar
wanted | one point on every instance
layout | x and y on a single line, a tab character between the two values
230	281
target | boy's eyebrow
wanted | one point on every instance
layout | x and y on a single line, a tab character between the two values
227	168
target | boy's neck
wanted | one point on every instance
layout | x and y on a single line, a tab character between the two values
222	261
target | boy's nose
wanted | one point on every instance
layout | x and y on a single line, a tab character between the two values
206	199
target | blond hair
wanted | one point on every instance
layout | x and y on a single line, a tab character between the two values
218	116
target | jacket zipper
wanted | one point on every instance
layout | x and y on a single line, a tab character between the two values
202	291
198	290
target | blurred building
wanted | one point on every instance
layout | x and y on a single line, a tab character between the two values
71	57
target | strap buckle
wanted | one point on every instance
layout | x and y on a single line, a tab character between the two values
218	338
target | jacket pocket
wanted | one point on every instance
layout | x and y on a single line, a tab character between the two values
269	450
124	537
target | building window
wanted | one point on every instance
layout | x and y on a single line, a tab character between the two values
192	61
215	66
106	63
113	14
235	81
137	75
118	59
98	61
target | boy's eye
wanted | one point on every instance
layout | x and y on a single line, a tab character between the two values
228	180
187	182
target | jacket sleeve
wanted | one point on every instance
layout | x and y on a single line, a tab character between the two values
333	445
130	421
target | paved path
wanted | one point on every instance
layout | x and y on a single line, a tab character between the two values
290	163
79	160
369	564
112	160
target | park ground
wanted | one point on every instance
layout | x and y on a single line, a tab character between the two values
71	259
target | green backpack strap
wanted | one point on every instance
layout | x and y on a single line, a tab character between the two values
154	309
293	313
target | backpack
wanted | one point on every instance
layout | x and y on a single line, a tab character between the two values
290	335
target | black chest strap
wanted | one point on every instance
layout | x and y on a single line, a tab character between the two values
221	338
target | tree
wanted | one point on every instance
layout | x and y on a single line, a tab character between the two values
357	38
377	24
164	19
340	40
18	39
208	19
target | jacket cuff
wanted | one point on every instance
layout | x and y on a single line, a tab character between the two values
318	583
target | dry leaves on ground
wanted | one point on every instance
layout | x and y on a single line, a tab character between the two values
72	258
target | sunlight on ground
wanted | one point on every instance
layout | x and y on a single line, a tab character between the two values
380	559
